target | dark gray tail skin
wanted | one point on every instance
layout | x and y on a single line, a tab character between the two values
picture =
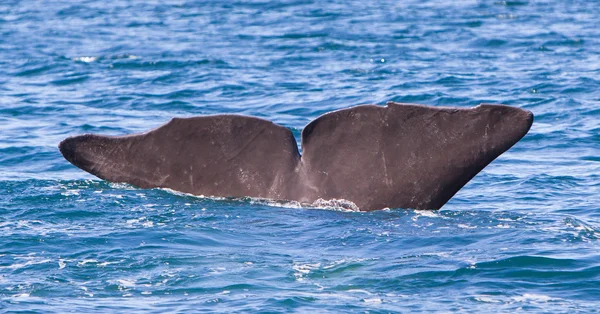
394	156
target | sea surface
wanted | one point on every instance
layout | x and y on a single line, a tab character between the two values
523	235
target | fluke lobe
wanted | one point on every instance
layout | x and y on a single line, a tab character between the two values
393	156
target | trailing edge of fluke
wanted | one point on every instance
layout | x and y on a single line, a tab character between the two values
393	156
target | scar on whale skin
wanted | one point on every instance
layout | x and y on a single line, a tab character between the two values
393	156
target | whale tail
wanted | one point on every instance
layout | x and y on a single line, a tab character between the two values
394	156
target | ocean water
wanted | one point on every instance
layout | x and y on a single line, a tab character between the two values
523	235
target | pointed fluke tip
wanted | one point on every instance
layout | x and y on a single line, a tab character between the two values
67	148
521	119
76	150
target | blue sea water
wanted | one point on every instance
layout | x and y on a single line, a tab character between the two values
524	235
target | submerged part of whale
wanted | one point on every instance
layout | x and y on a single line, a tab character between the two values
393	156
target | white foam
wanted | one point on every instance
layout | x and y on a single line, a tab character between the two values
104	264
373	300
304	269
87	261
70	192
486	299
427	213
30	261
275	203
126	283
331	204
530	297
86	59
336	204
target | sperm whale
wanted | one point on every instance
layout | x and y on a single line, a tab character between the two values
393	156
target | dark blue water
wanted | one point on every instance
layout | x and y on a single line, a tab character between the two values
523	235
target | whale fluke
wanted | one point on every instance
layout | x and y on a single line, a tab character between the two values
393	156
